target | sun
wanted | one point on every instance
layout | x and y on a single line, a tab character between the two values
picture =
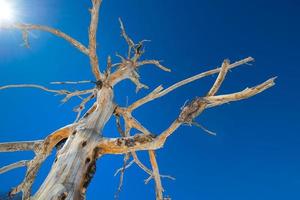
6	11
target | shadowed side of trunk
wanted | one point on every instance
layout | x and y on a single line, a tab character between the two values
75	163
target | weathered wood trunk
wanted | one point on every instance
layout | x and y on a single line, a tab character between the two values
75	162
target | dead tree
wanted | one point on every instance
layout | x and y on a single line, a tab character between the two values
85	141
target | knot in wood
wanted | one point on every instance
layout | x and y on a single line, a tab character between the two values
192	110
99	84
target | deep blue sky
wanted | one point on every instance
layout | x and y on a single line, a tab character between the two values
256	152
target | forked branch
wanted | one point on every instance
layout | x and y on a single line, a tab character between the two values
141	142
159	92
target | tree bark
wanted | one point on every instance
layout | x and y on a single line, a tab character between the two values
75	163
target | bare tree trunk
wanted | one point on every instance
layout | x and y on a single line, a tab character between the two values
75	163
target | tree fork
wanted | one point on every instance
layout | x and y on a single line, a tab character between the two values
81	143
75	162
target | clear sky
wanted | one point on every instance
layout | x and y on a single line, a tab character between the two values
255	154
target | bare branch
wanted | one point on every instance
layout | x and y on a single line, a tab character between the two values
125	166
146	99
93	39
204	74
81	107
130	121
77	93
68	94
21	163
127	38
153	62
203	128
156	176
26	27
61	92
141	142
248	92
184	82
224	69
20	146
70	82
191	111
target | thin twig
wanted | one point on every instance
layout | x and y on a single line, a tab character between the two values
81	107
153	62
61	92
26	27
125	166
70	82
15	165
127	38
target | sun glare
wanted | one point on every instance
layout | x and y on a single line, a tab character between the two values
6	11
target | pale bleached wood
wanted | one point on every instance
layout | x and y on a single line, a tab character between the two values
216	86
83	142
28	27
61	92
68	94
247	93
15	165
20	146
42	151
156	175
141	142
155	63
93	39
158	92
76	161
70	82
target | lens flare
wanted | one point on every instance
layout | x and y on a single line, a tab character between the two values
6	11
